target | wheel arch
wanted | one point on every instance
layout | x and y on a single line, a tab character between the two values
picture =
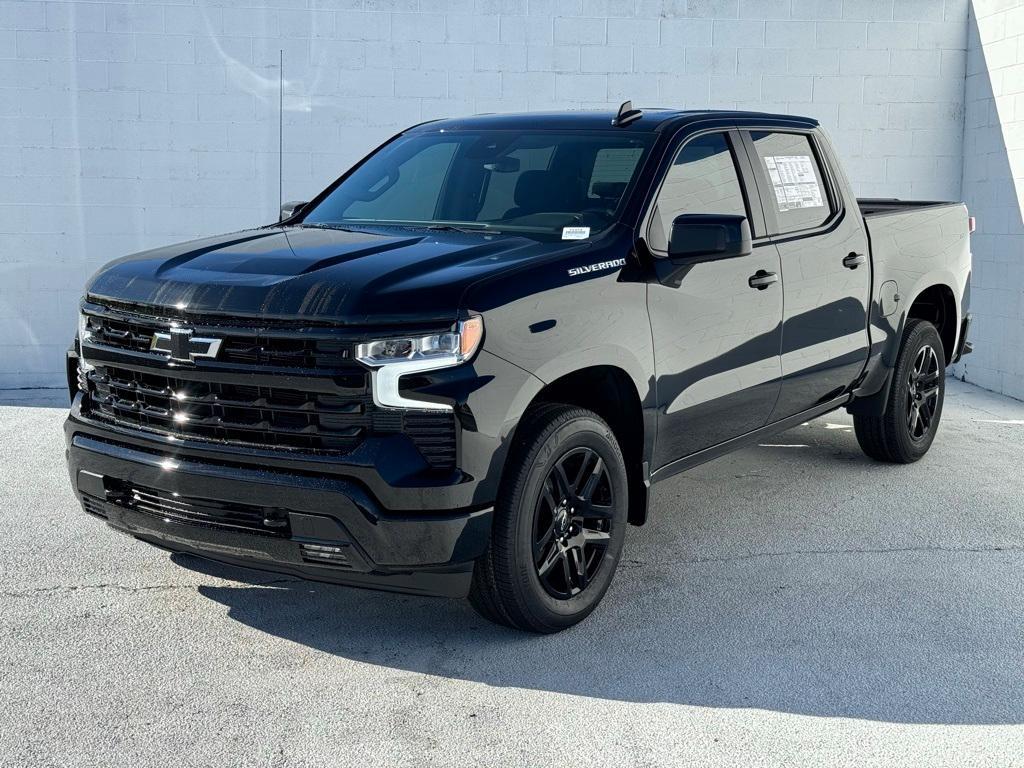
611	393
937	304
933	300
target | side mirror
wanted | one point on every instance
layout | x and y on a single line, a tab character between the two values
291	208
700	237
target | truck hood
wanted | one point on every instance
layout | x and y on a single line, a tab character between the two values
318	274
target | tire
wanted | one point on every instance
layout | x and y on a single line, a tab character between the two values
918	387
559	523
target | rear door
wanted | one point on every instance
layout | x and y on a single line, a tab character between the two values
716	336
825	267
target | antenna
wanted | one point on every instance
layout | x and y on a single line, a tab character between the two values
627	114
280	131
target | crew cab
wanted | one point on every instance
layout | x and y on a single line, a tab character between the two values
458	370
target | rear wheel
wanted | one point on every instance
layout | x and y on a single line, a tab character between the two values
559	523
905	431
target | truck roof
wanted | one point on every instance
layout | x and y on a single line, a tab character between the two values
652	120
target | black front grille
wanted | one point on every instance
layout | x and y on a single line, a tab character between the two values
434	435
269	521
254	346
264	416
237	413
336	555
94	506
323	403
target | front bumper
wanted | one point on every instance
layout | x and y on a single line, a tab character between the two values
489	395
314	517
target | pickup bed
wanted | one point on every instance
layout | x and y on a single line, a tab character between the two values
459	369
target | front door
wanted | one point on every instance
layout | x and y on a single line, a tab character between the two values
716	337
825	266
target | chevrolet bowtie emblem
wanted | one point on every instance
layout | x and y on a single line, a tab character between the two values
182	347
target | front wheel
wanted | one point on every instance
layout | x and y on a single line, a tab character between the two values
559	523
905	431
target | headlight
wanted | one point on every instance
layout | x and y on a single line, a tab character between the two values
391	359
460	345
84	329
399	350
84	335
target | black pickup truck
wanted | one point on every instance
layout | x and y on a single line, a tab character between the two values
458	370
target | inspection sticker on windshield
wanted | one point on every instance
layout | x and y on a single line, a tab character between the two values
575	233
794	181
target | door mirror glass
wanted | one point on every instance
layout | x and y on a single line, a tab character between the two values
708	237
290	208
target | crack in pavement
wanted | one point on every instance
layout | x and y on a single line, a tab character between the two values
624	564
1014	548
128	588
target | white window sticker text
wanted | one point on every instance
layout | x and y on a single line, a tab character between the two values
794	182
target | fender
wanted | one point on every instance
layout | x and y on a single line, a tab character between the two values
613	356
546	321
871	397
914	264
489	396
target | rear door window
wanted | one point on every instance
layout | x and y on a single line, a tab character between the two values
799	196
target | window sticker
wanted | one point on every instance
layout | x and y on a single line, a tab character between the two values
575	233
794	181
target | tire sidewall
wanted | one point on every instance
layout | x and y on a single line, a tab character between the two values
921	334
550	447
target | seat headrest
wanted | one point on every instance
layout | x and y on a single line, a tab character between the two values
535	190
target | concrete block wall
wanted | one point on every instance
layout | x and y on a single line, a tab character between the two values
993	187
127	125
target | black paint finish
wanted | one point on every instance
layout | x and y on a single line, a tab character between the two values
714	359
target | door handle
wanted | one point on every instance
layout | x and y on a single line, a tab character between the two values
854	260
762	279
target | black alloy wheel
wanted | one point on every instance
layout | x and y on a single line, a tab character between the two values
559	522
572	523
922	393
902	430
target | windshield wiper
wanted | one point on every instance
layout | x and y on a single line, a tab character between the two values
327	226
433	227
453	228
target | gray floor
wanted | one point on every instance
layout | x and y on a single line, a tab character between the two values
792	604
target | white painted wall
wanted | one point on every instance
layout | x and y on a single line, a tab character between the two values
993	187
128	125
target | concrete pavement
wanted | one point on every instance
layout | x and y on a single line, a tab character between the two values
791	604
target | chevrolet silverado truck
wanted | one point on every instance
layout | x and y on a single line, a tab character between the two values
458	370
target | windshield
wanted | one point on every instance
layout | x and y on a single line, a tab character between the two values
561	184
